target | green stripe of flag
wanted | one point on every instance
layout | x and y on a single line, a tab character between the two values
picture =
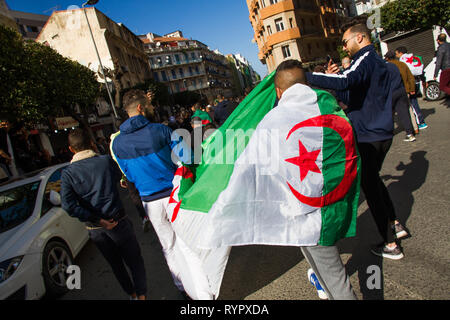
213	177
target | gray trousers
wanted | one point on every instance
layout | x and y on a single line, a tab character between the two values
329	269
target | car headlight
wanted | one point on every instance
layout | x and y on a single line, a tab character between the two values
8	267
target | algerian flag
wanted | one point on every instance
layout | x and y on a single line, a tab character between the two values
287	175
204	116
414	63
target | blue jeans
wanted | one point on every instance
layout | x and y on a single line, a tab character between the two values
120	245
417	111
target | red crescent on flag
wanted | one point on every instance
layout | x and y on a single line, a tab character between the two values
344	129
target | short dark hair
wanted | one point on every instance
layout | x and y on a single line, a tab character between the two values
402	49
357	25
80	140
283	80
133	98
442	37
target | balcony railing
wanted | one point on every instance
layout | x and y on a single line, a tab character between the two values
174	63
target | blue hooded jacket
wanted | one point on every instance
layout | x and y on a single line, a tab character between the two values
366	88
144	153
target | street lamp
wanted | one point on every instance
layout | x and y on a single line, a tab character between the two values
91	3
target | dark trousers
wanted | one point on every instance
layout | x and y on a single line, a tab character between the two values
119	246
401	105
377	196
136	199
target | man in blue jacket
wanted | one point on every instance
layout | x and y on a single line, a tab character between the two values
147	154
367	89
89	193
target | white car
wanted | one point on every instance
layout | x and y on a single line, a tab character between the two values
432	91
38	239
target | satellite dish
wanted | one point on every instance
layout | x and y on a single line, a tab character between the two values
158	44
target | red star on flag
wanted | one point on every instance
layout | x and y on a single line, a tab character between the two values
306	161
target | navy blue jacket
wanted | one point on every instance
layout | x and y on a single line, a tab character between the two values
89	189
366	88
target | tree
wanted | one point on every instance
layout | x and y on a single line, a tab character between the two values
405	15
39	82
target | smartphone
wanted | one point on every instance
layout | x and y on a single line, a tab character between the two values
329	59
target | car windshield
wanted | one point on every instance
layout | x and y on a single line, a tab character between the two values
16	205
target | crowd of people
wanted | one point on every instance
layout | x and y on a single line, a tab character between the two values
369	88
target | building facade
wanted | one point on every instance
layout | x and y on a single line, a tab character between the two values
244	76
30	24
187	65
306	30
67	32
6	18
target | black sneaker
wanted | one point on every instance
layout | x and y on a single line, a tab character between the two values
385	252
399	231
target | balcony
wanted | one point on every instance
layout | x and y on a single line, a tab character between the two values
283	6
282	36
184	77
156	66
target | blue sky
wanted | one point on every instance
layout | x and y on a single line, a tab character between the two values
222	25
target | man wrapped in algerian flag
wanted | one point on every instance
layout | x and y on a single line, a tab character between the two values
284	175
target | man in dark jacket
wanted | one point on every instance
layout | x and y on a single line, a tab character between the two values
366	88
223	110
399	96
89	193
443	63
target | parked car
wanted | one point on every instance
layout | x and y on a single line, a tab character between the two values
38	239
432	91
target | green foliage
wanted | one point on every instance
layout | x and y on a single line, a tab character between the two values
405	15
37	82
160	90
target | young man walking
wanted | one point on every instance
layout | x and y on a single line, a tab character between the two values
366	88
89	193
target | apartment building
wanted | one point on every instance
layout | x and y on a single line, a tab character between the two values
6	19
184	64
30	24
67	32
244	76
306	30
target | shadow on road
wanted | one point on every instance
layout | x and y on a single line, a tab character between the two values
401	191
251	268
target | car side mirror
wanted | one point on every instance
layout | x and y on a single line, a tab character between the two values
55	198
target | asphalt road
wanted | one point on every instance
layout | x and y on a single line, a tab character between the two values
418	178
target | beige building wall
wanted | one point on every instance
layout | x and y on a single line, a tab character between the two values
67	32
306	30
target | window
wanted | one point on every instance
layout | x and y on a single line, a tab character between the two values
181	72
193	56
269	30
177	58
155	75
273	1
197	70
17	205
32	29
163	75
174	74
54	183
286	51
190	71
279	24
309	49
291	23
